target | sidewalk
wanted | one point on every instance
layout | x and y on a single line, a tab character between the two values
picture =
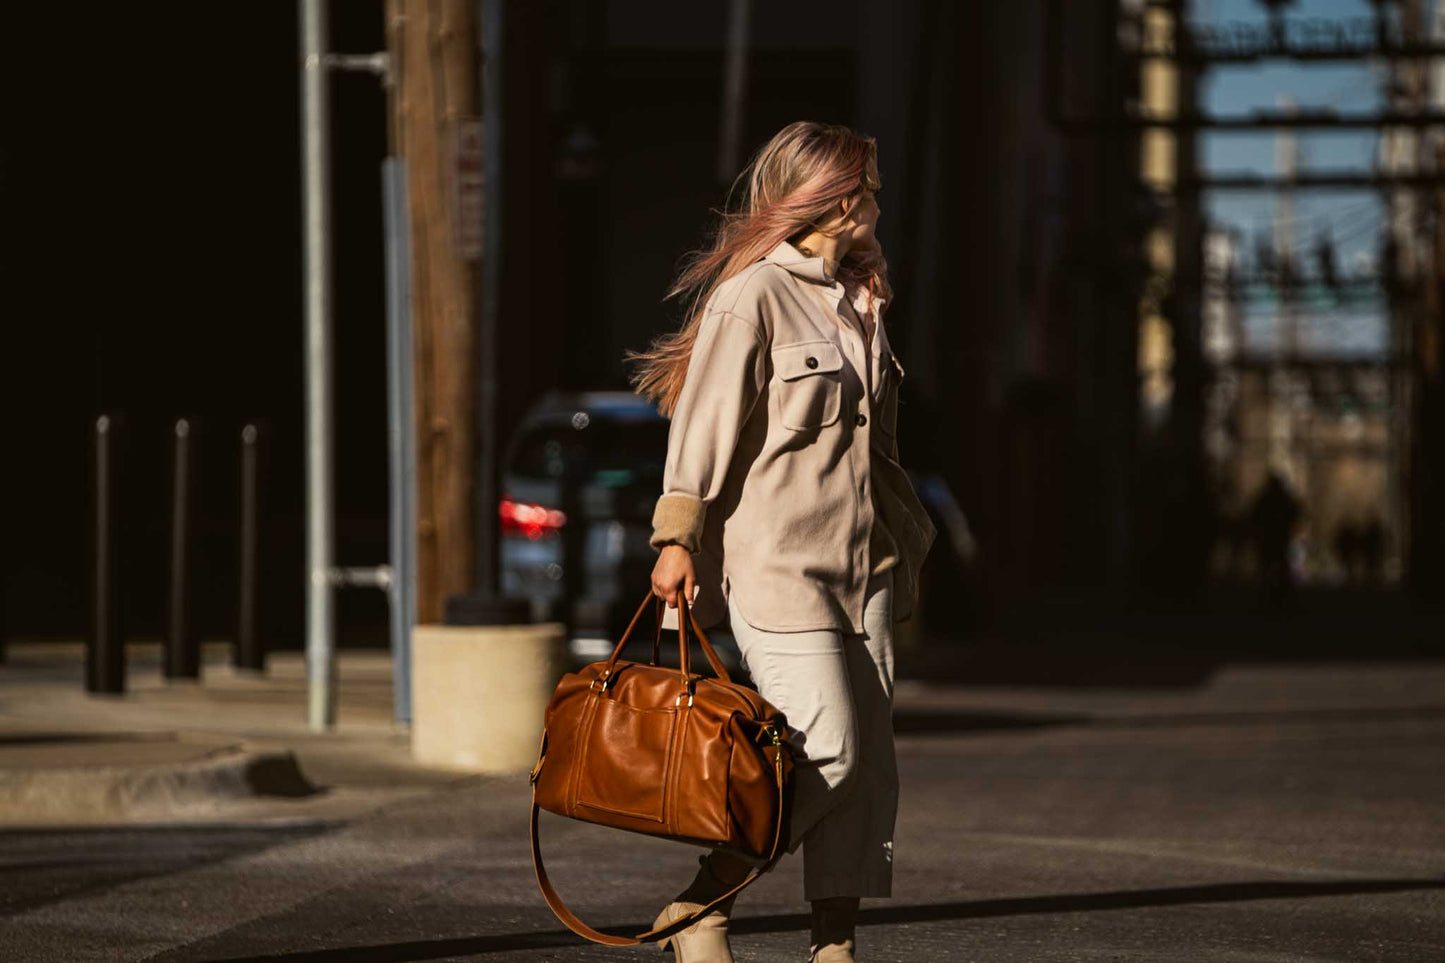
234	747
1270	810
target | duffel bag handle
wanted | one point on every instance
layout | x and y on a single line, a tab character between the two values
684	616
575	924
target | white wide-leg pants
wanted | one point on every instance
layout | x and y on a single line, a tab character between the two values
836	689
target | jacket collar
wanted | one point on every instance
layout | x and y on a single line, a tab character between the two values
787	256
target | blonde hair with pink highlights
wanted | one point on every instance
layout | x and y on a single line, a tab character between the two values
793	182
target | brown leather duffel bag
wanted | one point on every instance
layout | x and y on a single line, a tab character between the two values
666	752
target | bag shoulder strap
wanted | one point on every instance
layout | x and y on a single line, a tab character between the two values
576	925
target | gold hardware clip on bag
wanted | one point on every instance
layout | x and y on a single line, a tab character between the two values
666	752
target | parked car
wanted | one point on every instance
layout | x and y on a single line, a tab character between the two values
579	481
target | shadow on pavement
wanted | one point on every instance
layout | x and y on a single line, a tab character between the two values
1075	663
38	866
1082	642
81	738
907	720
915	721
413	952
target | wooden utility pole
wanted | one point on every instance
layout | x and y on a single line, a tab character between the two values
434	129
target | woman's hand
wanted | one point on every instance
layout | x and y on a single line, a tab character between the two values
674	570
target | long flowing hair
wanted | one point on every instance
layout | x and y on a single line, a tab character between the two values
792	183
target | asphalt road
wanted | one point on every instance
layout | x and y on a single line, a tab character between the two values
1270	814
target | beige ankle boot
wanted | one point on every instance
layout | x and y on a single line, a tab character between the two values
834	921
705	941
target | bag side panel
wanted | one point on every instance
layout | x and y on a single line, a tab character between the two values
566	718
754	793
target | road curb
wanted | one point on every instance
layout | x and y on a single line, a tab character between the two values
149	792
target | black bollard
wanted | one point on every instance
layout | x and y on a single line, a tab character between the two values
183	650
105	646
250	650
4	633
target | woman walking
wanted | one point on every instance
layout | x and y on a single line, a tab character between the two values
784	506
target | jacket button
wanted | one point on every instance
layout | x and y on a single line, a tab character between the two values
861	420
812	362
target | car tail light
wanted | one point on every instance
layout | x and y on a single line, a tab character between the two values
530	520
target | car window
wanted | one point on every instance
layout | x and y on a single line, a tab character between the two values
603	453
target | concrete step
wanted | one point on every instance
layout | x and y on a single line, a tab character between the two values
70	779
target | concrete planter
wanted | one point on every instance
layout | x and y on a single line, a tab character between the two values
479	694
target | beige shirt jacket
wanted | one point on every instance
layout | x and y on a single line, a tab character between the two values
782	475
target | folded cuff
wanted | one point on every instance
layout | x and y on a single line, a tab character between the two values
678	518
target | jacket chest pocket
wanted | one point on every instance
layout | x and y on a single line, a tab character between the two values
810	390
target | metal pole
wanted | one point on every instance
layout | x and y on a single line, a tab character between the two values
735	82
105	653
320	616
401	438
183	649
